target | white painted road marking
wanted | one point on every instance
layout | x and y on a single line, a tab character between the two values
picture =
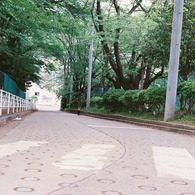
114	127
174	162
89	157
12	148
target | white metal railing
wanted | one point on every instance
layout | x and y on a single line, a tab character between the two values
10	103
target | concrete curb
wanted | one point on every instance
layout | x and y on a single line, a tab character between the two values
165	126
7	118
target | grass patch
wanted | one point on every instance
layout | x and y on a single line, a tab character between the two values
184	119
187	119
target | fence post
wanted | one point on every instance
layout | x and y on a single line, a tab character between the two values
20	104
8	103
1	101
17	104
13	104
26	105
23	105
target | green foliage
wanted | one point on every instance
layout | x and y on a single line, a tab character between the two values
28	32
133	100
186	90
64	102
37	35
23	27
151	100
112	100
96	102
156	47
155	99
187	119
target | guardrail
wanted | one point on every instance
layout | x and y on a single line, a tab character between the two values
10	103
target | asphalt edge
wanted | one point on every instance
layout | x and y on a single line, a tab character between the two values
160	125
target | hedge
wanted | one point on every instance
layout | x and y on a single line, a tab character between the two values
112	100
186	91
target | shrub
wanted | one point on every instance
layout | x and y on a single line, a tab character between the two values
113	100
96	102
155	99
132	100
141	99
135	100
186	90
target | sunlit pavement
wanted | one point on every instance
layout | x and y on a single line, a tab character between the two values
47	108
56	153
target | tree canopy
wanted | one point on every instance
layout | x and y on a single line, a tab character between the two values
131	42
27	32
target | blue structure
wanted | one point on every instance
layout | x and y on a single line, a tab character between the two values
7	84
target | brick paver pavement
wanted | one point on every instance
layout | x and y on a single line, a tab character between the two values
56	153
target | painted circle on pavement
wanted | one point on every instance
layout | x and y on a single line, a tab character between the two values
140	176
177	182
30	178
111	192
23	189
148	188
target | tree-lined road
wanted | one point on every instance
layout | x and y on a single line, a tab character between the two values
52	152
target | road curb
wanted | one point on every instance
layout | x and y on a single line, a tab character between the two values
7	118
160	125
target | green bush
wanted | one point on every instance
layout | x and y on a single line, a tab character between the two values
141	99
155	98
186	91
133	100
152	100
113	100
96	102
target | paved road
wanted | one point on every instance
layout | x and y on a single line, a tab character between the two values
56	153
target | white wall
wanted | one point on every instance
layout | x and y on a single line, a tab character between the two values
44	97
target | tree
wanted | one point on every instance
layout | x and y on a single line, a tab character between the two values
124	59
157	44
27	36
74	40
19	31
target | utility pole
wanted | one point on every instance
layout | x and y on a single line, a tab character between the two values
174	60
90	66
